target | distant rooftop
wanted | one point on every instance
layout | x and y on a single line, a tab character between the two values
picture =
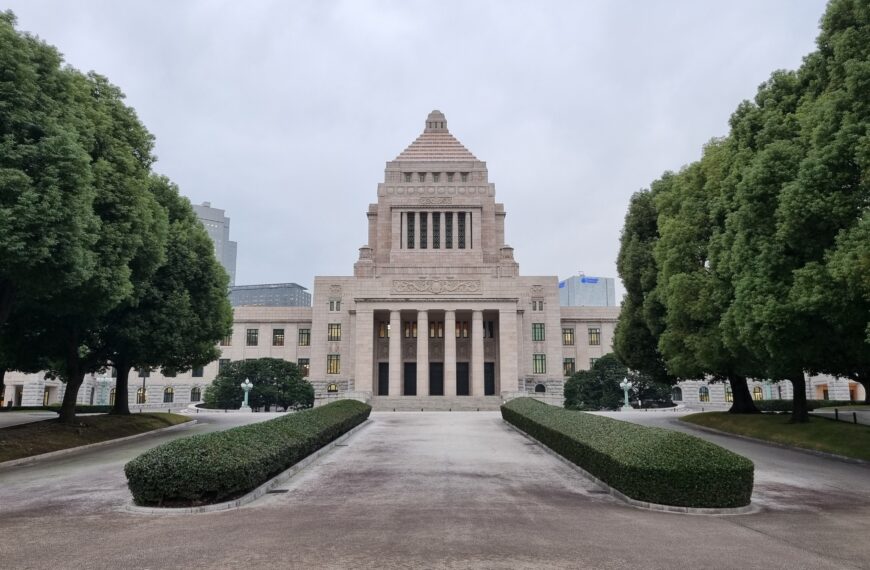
268	286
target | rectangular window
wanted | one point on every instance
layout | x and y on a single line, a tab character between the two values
436	230
488	329
592	362
222	363
464	176
568	337
461	329
409	240
568	367
410	329
197	372
436	176
449	177
594	336
334	332
333	364
448	230
227	340
277	337
538	331
304	337
460	221
422	176
539	363
436	329
334	306
407	176
424	226
304	365
383	329
252	337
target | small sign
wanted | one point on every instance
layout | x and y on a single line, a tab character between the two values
589	280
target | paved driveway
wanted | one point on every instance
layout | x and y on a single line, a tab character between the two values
418	490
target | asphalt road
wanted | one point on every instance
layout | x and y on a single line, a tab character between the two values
434	490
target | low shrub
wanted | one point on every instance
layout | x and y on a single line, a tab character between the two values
786	405
220	466
647	464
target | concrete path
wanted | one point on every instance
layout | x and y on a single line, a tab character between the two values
420	490
845	415
9	419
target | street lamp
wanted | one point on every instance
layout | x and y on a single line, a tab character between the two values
246	386
626	386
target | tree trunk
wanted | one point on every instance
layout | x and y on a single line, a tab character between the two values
743	403
7	298
122	401
799	413
2	382
68	407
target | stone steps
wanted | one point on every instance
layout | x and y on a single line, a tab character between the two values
436	403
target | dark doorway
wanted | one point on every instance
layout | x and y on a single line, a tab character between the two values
489	378
383	378
410	382
436	378
462	379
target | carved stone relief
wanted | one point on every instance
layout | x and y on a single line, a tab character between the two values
436	286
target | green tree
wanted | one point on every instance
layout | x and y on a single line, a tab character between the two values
182	311
596	388
48	224
276	382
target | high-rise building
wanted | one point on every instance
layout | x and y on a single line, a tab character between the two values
218	227
270	295
587	291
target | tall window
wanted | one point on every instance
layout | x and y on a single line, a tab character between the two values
424	227
168	395
450	177
334	306
448	230
197	372
195	394
538	331
461	329
592	363
304	337
112	395
252	337
460	221
539	363
410	223
436	230
222	363
436	329
407	176
141	398
568	337
729	395
568	367
227	340
411	329
304	365
464	176
488	329
677	394
757	394
422	176
383	329
537	304
277	337
703	394
334	332
594	336
333	364
436	176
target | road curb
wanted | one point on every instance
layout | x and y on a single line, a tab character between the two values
748	509
252	495
824	454
80	448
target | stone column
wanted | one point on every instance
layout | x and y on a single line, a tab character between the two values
477	353
449	353
507	350
395	353
364	350
422	353
442	231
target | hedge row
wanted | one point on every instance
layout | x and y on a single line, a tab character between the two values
786	405
647	464
220	466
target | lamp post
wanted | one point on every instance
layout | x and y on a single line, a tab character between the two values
246	386
626	386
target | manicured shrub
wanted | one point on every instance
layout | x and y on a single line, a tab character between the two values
647	464
786	405
220	466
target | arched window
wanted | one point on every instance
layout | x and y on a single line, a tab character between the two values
140	396
168	395
195	394
677	394
757	394
729	395
112	397
540	388
703	394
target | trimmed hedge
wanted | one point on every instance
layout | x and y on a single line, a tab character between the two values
645	463
220	466
786	405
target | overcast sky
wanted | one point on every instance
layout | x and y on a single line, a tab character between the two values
284	113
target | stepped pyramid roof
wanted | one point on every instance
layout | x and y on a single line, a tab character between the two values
436	143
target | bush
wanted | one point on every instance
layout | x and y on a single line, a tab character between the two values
644	463
220	466
786	405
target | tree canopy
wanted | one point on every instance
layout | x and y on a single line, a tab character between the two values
276	382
